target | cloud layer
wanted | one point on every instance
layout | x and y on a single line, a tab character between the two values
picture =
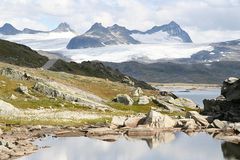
199	16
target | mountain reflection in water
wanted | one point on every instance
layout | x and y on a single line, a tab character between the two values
167	146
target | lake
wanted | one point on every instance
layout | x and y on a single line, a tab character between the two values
166	146
197	95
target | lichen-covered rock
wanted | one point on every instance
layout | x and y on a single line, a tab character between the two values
128	81
23	89
183	102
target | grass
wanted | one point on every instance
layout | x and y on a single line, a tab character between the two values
52	122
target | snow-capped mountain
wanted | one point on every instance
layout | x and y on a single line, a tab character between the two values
8	29
99	36
171	32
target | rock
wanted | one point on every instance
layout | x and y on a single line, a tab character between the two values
227	105
1	132
128	81
14	74
157	120
141	132
133	122
219	124
228	138
23	89
165	93
190	114
100	131
7	107
237	127
37	127
143	100
13	97
72	94
118	121
124	98
137	92
183	102
199	119
167	106
230	89
190	125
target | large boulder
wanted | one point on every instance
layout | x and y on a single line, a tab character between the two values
183	102
137	92
199	119
157	120
166	105
133	122
118	121
23	89
219	124
227	105
124	99
231	89
143	100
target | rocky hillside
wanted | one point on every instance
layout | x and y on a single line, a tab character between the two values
97	69
21	55
172	72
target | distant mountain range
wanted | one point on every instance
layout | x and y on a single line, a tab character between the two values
8	29
99	36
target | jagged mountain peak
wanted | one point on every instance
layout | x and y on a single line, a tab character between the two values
63	27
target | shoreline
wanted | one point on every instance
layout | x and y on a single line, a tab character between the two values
187	86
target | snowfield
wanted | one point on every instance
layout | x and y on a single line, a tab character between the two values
57	42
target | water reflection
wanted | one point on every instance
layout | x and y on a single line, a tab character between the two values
167	146
231	151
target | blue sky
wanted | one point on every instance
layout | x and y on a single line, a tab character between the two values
196	16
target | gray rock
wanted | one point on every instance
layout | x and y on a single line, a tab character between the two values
133	121
124	99
137	92
118	121
14	74
183	102
219	124
168	106
76	95
143	100
23	89
190	125
230	89
157	120
199	119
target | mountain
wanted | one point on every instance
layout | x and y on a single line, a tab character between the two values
172	72
167	32
63	27
99	36
20	55
222	51
8	29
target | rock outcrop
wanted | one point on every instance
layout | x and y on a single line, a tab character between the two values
227	105
58	90
7	108
124	99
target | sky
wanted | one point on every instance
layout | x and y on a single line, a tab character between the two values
204	20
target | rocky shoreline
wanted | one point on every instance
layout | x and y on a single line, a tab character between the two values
18	140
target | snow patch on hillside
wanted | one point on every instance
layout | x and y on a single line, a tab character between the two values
158	37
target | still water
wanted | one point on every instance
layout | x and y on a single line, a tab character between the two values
196	95
167	146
